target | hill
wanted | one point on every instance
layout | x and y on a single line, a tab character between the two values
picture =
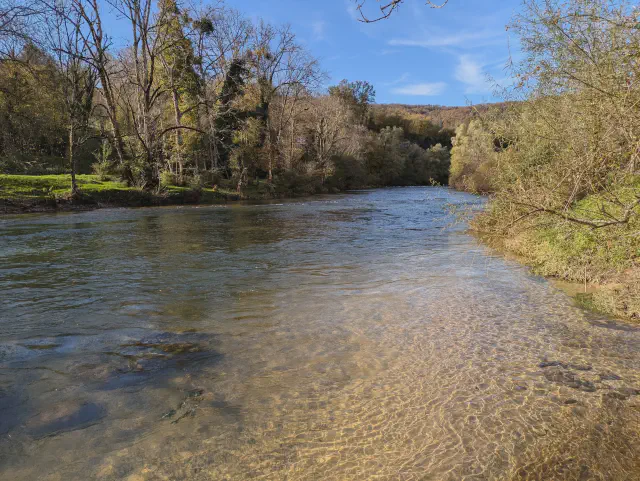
443	116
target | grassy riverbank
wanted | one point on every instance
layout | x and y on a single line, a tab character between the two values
605	262
36	193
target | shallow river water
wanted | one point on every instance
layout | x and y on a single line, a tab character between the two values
362	336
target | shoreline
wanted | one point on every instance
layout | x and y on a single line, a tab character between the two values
612	295
139	198
24	194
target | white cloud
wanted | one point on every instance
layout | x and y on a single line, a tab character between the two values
456	39
403	78
471	73
318	29
424	89
352	10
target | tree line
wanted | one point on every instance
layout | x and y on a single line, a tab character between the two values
195	95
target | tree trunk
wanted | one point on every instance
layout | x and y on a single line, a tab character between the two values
72	162
118	143
178	120
241	180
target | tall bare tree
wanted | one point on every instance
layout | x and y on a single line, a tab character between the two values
77	78
281	66
97	46
220	38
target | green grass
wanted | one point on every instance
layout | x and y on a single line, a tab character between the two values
35	187
24	193
32	192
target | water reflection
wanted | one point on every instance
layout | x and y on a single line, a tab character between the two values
362	336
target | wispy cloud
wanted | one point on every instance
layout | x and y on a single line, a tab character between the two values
352	10
462	39
318	28
471	72
403	78
423	89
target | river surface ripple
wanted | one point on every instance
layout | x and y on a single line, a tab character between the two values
361	336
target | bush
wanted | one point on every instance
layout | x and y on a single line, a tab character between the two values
102	166
195	182
212	177
102	170
32	165
295	183
349	173
168	178
565	167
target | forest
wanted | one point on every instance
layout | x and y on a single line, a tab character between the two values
197	98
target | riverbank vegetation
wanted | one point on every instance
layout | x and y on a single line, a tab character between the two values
562	165
34	193
197	98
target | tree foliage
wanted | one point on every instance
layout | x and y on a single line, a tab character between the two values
577	132
196	93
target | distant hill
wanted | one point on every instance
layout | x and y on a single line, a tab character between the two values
445	117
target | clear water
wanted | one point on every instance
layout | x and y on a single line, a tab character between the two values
362	336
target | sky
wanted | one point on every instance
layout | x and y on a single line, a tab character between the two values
451	56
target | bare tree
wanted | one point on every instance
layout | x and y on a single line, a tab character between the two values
281	66
141	61
18	21
77	78
97	46
329	129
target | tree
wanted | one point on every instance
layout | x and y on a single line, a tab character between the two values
151	37
17	20
220	39
569	151
77	79
280	65
359	95
179	77
97	46
229	115
329	124
32	129
471	158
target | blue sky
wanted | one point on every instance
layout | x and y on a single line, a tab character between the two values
418	56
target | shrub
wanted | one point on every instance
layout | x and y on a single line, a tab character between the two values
195	182
168	178
102	166
102	170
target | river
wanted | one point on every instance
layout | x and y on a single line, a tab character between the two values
359	336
